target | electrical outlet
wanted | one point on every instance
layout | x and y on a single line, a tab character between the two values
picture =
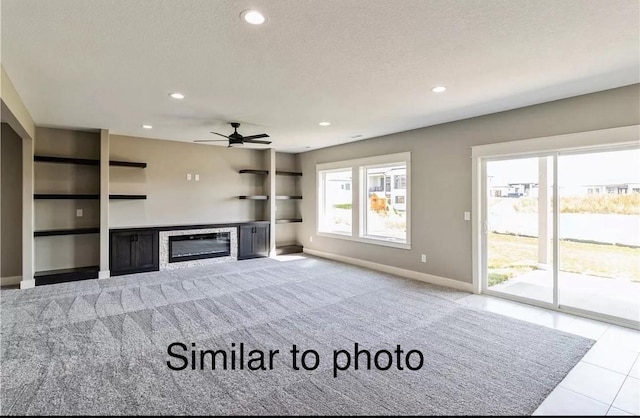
197	177
310	239
424	258
79	213
188	176
467	216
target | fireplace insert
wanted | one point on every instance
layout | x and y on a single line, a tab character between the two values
199	246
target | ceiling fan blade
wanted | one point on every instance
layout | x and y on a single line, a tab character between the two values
224	136
253	141
256	136
210	140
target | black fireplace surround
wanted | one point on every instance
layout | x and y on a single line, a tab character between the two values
199	246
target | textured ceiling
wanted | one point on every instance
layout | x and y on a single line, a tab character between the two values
365	65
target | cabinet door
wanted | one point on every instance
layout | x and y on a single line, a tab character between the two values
122	257
261	241
147	251
245	241
134	252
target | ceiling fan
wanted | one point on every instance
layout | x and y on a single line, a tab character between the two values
236	139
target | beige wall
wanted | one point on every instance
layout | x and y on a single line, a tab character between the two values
11	201
14	111
171	199
441	175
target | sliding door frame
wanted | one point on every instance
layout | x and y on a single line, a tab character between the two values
484	194
591	141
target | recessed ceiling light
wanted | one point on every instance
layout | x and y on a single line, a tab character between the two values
438	89
253	17
178	96
324	123
147	126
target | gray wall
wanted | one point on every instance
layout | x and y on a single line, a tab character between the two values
11	201
171	199
441	175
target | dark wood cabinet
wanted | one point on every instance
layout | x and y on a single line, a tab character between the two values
253	241
134	252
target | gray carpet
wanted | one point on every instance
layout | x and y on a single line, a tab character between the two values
100	346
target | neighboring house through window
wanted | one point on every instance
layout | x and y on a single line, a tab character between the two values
383	215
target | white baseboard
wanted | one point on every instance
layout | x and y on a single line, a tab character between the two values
104	274
10	281
410	274
27	284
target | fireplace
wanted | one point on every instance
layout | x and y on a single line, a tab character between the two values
199	246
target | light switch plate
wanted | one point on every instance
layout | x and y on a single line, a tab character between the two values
188	176
79	213
197	177
467	216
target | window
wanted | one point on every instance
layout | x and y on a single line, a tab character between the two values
385	218
366	200
334	215
399	181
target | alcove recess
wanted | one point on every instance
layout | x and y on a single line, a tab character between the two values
286	191
66	184
288	200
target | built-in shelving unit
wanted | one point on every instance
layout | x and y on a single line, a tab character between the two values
66	275
127	164
57	232
65	160
251	171
66	208
261	211
85	161
288	221
127	196
283	249
288	196
258	197
57	196
131	164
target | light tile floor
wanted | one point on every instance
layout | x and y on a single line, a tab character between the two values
607	379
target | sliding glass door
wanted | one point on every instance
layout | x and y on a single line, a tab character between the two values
562	229
518	228
599	231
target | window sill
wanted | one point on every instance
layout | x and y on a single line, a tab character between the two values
367	240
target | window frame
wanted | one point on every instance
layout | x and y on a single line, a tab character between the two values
321	191
358	201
